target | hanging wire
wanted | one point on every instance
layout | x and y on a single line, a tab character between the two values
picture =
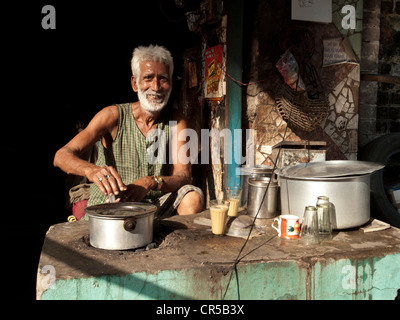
167	16
223	68
287	42
238	258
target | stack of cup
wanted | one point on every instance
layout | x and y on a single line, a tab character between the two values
309	228
324	218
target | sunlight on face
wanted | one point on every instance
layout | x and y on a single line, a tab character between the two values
154	86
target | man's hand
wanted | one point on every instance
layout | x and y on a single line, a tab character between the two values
107	180
138	189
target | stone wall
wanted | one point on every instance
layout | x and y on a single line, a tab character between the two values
340	83
380	101
369	65
388	103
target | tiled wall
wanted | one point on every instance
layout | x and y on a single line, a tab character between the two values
341	83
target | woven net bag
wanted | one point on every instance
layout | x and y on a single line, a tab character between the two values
305	113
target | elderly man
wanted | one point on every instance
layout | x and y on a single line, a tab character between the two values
126	132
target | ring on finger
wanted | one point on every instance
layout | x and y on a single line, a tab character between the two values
100	179
107	176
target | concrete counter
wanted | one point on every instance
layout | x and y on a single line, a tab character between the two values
192	263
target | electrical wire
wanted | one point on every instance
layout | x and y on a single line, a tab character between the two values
286	43
225	72
237	260
167	16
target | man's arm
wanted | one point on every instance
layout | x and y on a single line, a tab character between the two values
67	158
182	171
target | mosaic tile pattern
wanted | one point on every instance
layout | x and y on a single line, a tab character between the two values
341	82
341	124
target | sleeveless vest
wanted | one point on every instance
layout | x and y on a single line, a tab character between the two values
132	154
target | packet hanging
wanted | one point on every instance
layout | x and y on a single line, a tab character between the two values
289	69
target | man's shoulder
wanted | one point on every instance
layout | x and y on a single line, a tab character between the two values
179	118
111	110
115	110
108	116
124	107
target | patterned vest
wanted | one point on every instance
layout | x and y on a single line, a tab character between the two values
132	154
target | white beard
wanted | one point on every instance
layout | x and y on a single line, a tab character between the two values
153	106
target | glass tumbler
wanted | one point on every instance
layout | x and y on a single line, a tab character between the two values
322	200
324	221
309	233
233	195
219	214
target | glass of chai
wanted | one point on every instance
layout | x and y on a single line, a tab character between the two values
219	217
233	195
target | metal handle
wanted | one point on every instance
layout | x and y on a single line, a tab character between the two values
130	224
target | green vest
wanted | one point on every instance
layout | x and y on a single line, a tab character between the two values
130	153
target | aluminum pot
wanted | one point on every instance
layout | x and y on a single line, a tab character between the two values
345	182
252	172
257	202
121	226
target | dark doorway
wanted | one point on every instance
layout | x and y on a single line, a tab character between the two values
57	79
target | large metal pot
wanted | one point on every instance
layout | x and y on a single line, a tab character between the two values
345	182
121	226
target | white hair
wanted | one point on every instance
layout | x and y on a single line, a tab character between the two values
151	53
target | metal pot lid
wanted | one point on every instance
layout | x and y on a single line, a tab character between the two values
260	168
330	169
120	210
261	182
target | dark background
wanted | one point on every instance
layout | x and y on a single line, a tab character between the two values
53	79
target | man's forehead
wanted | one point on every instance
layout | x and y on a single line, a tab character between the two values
151	66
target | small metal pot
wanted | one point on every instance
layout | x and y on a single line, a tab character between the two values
257	202
253	172
121	226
